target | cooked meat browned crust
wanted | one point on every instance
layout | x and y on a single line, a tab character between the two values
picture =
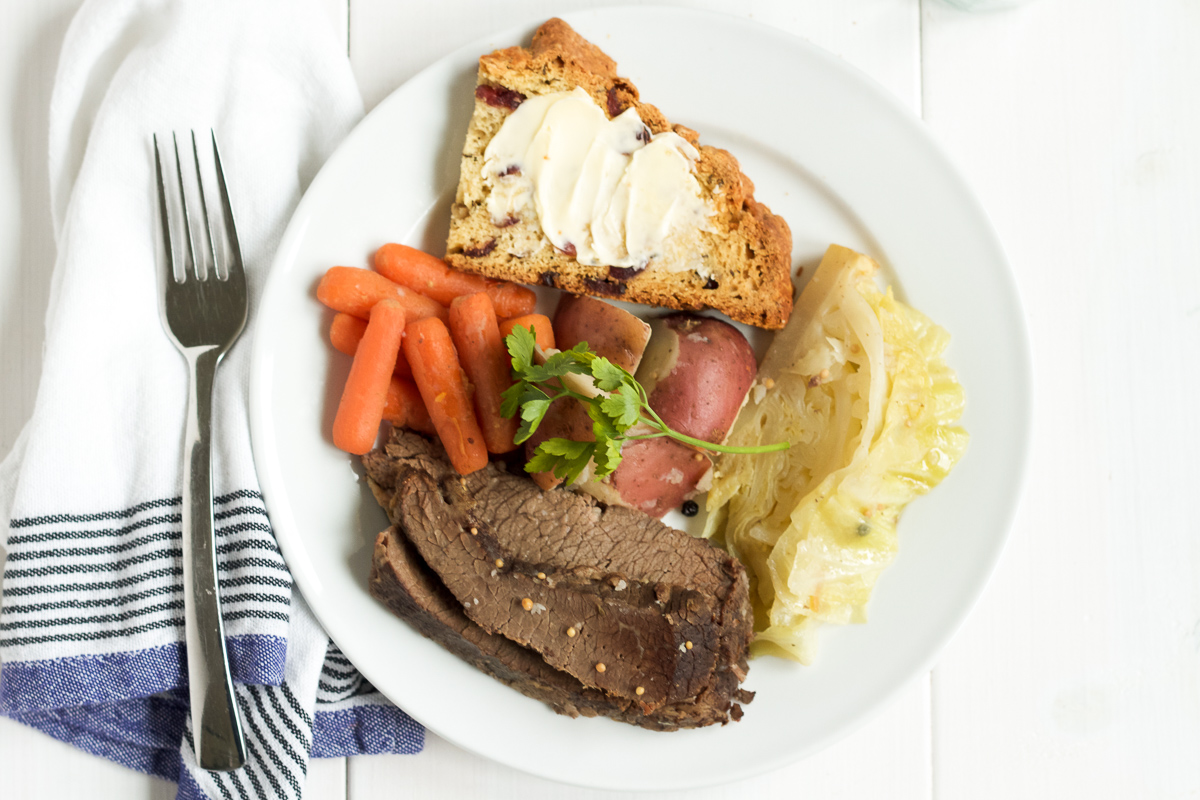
630	635
410	589
748	251
579	583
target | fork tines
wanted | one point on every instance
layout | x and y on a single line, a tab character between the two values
192	266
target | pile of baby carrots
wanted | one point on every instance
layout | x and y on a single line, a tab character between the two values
429	354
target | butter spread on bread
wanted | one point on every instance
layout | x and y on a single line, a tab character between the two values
693	238
607	189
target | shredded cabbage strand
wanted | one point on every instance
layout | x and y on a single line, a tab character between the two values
857	384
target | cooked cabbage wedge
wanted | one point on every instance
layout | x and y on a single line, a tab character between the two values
857	384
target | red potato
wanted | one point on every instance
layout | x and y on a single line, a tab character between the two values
657	475
609	331
696	373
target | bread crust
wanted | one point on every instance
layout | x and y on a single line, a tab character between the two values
747	249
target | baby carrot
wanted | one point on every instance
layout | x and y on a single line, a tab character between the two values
432	277
356	291
361	409
426	274
512	300
346	331
418	415
444	388
485	359
405	408
543	332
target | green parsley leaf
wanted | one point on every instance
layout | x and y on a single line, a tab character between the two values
608	457
624	406
533	410
511	398
583	351
520	345
603	426
556	366
609	377
566	458
607	450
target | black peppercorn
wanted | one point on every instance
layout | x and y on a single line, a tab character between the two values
690	509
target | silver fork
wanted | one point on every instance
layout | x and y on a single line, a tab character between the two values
203	314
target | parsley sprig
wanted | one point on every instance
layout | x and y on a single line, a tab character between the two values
621	404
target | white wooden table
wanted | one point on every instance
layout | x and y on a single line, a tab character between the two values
1078	124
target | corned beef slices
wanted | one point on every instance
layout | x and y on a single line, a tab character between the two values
594	610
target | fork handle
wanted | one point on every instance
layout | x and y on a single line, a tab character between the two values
216	717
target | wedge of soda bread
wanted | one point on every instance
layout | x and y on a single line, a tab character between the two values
742	254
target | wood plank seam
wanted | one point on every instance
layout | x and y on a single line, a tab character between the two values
920	57
932	676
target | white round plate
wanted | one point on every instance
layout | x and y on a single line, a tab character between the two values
842	162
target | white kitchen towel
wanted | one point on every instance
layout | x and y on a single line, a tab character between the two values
91	626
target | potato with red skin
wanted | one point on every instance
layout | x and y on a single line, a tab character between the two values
657	475
696	373
610	332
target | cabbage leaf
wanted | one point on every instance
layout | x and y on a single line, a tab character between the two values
857	384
